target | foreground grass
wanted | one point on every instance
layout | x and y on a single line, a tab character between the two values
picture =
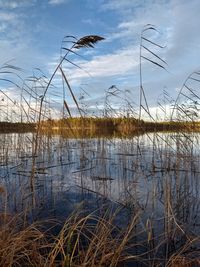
91	240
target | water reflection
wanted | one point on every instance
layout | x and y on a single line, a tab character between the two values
157	173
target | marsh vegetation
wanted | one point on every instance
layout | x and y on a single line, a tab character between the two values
98	191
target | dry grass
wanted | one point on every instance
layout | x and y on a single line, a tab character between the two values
21	245
184	262
84	240
91	241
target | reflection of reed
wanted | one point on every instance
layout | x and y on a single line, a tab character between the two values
108	127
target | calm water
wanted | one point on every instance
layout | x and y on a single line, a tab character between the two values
150	173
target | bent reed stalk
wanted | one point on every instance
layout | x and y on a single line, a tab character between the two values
159	199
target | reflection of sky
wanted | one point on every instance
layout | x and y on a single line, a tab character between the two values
31	34
129	171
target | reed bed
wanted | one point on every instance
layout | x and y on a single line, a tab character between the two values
137	181
91	240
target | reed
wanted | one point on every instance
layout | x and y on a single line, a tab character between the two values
148	170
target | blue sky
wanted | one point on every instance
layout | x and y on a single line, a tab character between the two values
31	32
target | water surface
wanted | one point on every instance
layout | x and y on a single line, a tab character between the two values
156	173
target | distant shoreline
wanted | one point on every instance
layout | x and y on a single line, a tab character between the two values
18	127
98	125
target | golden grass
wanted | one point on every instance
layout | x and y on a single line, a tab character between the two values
21	245
83	240
184	262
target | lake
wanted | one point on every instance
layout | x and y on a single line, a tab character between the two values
137	172
155	175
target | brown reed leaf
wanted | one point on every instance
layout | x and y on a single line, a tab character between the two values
67	108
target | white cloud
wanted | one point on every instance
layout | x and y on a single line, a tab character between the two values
56	2
120	5
11	4
7	16
119	63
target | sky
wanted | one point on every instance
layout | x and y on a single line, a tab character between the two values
31	32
